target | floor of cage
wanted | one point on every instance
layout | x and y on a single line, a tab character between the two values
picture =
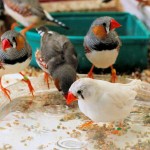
45	121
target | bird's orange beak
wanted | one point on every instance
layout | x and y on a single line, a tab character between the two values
114	24
6	44
71	98
66	95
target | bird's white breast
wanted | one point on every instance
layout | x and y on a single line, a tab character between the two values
15	68
102	59
26	21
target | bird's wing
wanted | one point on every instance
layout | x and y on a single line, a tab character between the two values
70	54
116	93
120	96
38	11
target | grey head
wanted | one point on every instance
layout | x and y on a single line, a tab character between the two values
66	75
107	22
14	46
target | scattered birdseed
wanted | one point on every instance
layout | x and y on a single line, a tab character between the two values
6	147
54	130
75	134
42	147
8	124
2	128
72	116
29	138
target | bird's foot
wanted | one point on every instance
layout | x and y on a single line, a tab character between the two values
118	129
15	24
26	80
46	78
23	32
6	92
90	75
113	75
86	124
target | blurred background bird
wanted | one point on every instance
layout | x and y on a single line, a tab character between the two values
103	101
102	44
58	59
144	2
2	18
30	14
15	56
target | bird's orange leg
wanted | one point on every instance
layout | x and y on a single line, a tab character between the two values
23	32
15	24
119	128
86	124
26	79
90	74
113	75
4	90
46	78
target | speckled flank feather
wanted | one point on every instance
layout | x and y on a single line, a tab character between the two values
28	8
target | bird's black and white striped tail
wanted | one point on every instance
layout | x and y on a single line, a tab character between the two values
55	21
41	30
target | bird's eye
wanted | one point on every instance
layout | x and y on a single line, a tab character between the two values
14	42
14	39
104	24
79	91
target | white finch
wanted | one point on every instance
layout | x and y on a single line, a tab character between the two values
15	56
102	44
103	101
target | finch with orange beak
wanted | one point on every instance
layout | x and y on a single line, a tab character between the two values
102	44
15	56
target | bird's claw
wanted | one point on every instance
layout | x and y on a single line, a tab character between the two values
90	75
113	75
29	85
46	78
15	24
23	32
116	132
6	92
85	125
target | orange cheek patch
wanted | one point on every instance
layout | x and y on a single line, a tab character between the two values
99	31
20	42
